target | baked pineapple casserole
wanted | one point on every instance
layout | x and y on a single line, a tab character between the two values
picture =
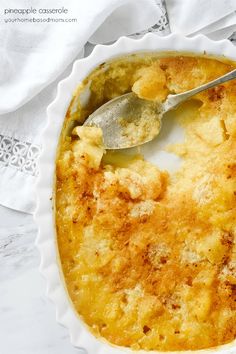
149	257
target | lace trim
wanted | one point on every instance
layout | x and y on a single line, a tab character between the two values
162	25
20	155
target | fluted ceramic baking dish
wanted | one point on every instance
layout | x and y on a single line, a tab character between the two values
46	240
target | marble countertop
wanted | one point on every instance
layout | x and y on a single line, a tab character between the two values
27	318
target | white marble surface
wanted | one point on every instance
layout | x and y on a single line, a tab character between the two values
27	318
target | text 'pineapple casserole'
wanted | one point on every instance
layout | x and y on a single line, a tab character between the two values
149	258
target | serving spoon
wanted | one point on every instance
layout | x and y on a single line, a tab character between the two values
127	121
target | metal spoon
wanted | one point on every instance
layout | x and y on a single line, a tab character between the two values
128	121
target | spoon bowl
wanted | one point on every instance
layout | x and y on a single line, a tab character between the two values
127	121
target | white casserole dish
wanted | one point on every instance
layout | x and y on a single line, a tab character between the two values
46	240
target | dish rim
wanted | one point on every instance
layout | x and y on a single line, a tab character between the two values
50	267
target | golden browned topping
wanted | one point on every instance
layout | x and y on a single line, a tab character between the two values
149	258
151	83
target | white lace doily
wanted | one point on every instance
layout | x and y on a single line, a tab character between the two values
19	154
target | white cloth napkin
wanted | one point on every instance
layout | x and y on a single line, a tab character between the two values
189	17
34	57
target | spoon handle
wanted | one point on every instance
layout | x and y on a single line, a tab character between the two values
173	100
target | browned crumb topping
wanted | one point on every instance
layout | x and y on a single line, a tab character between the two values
150	259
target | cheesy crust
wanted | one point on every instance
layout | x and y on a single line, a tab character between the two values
149	258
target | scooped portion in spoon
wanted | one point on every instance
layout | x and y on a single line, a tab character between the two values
127	121
140	126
